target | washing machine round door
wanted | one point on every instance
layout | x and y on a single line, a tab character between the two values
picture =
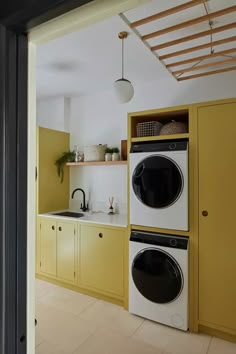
157	181
157	276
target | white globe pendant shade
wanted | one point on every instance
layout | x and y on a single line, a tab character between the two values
124	90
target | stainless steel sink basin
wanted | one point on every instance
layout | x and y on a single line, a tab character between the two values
70	214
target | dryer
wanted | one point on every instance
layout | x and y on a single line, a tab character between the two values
159	185
158	278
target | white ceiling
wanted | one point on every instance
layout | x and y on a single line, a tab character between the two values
89	61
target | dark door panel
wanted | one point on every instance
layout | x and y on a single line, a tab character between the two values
16	16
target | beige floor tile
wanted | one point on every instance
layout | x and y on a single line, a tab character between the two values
49	348
103	342
112	317
43	288
38	339
219	346
171	340
67	300
61	328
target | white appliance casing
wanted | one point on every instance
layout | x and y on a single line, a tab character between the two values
174	216
175	313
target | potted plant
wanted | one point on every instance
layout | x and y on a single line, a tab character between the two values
108	154
115	154
68	156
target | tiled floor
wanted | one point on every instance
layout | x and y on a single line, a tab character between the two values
72	323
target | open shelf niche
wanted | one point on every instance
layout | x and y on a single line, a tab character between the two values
163	116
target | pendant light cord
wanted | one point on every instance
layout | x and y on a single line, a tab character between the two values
122	61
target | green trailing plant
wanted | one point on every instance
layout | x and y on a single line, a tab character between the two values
115	150
68	156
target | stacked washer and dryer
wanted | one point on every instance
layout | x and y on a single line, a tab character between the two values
158	263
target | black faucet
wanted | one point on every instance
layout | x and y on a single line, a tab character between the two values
83	206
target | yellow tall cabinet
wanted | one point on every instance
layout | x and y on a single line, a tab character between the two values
51	193
217	214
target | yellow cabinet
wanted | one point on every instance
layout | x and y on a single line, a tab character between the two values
48	247
57	241
102	259
66	251
217	197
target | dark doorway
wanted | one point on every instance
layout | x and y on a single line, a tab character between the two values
16	17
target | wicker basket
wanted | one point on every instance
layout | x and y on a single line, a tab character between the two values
174	128
94	153
148	128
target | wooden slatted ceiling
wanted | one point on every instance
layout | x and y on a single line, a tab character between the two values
209	44
198	47
168	12
204	66
202	57
190	22
195	36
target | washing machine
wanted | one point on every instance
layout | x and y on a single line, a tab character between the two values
158	278
159	184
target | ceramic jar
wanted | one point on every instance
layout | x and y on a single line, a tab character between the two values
108	156
115	156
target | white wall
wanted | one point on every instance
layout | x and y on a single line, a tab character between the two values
54	113
98	119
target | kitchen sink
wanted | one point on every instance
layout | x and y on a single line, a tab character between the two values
71	214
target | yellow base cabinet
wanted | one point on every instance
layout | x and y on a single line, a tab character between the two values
101	264
57	241
48	246
217	198
66	239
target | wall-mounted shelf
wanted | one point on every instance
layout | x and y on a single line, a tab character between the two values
96	163
160	137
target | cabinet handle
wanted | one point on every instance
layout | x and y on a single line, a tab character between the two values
53	227
205	213
59	228
100	235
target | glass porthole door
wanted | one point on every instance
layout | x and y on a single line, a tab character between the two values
157	181
157	276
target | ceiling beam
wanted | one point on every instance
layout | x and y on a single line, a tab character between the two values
207	73
192	22
194	36
202	57
168	12
205	66
199	47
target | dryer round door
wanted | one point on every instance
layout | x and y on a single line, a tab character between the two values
157	181
157	275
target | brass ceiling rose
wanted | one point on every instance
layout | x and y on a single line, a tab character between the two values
123	35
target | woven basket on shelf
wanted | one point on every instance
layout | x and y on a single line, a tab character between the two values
94	153
148	128
174	128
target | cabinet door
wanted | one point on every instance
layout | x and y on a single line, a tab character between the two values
102	259
66	251
217	197
48	243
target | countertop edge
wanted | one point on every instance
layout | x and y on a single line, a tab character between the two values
84	221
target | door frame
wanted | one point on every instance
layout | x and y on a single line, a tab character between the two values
91	13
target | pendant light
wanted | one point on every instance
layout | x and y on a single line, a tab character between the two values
124	90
